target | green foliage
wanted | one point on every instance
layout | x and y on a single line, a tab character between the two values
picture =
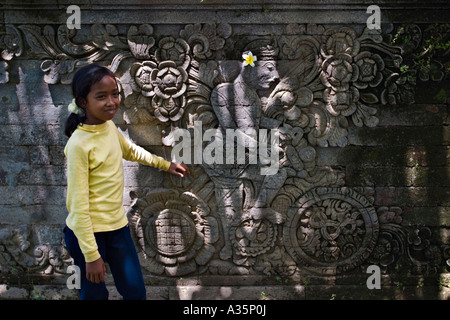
429	56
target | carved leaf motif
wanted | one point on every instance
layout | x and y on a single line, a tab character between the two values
207	38
326	130
106	37
172	50
58	70
369	97
408	38
305	51
42	45
14	245
138	108
64	40
12	42
208	73
141	41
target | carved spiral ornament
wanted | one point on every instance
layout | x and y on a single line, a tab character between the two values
174	232
331	230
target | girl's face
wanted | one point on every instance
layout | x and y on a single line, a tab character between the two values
103	101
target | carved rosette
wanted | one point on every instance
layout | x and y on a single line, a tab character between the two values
253	237
174	231
331	230
170	85
159	87
370	70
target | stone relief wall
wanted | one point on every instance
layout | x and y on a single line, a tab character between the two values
314	83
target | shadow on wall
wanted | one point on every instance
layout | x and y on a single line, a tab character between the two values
33	172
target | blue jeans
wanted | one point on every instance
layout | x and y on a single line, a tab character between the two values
117	249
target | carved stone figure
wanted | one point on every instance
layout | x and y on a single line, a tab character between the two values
238	106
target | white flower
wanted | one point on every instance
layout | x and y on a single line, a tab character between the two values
249	59
74	108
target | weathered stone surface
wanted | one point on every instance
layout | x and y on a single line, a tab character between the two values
7	293
362	173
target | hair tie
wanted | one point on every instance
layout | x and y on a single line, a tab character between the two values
74	108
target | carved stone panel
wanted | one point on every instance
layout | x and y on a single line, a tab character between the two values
262	205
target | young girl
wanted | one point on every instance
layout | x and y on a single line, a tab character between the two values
97	228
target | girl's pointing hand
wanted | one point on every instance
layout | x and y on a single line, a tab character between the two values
179	169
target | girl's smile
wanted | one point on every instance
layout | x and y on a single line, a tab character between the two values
102	101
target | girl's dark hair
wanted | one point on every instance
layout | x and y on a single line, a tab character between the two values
81	86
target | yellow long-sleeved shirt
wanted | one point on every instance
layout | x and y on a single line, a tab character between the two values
95	181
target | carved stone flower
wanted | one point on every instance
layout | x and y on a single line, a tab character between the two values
139	103
337	74
141	73
399	89
340	41
169	85
370	67
386	250
176	51
341	102
338	71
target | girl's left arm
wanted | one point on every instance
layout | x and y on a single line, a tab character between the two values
133	152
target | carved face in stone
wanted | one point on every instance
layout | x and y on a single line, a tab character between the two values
262	76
